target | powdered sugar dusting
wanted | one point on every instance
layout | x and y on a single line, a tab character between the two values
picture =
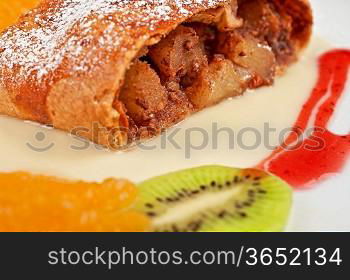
76	31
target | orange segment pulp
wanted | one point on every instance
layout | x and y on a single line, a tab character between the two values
10	11
42	203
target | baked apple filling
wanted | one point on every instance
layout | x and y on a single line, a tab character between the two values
215	55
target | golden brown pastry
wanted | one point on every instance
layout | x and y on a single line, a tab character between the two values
115	71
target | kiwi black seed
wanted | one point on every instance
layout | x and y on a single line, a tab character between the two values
215	198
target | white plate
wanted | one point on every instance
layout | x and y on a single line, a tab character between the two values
326	207
322	208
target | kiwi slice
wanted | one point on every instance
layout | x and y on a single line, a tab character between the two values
216	198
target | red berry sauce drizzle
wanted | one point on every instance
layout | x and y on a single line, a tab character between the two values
321	153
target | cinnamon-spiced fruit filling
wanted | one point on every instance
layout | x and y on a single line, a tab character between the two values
215	55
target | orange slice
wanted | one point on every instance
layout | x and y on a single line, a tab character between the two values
45	204
10	11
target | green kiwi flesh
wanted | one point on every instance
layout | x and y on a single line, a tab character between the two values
216	198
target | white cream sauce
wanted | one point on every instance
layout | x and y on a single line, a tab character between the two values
277	106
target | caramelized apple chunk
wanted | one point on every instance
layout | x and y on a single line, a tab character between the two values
222	79
259	17
179	54
262	20
214	55
142	93
207	37
251	54
224	18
